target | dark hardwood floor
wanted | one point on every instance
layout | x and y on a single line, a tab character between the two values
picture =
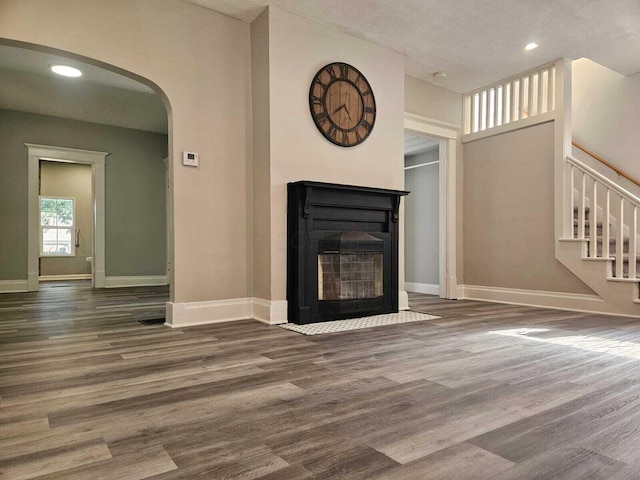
486	392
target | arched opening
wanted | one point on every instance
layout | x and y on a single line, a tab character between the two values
113	127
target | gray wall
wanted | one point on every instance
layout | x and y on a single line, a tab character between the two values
135	190
70	180
421	210
508	213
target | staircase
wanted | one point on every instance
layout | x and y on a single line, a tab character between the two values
601	244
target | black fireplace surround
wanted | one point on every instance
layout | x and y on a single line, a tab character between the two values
342	251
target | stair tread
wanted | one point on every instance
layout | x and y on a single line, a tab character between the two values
624	279
587	234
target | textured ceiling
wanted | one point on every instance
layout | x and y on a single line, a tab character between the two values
475	42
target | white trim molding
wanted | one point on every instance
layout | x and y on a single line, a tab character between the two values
436	128
576	302
54	278
204	313
14	286
426	288
271	312
136	281
449	135
97	161
403	300
526	123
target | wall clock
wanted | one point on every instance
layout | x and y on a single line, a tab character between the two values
342	104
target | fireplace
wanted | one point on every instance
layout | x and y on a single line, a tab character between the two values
342	253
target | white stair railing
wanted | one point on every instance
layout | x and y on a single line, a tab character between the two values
618	206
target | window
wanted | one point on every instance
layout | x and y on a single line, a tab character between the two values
57	221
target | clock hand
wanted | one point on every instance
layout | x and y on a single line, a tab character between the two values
345	109
339	108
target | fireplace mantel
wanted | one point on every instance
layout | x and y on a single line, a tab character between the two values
318	214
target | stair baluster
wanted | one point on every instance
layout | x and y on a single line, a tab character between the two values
572	186
633	232
620	241
593	221
583	206
606	237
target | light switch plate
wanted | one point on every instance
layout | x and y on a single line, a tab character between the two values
190	159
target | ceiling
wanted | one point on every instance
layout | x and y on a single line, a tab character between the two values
415	143
475	42
32	61
99	96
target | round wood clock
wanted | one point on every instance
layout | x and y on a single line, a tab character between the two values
342	104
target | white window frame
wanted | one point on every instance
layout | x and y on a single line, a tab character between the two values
72	227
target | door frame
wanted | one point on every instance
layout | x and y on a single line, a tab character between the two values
97	160
449	135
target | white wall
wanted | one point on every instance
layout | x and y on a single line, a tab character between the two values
605	113
421	210
298	48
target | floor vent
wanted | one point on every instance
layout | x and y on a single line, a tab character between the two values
153	321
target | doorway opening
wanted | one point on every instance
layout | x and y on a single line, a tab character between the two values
422	213
66	195
66	229
448	136
108	128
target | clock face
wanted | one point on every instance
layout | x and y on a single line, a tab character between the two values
342	104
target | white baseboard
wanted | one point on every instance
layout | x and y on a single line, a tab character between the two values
14	286
403	300
218	311
427	288
203	313
536	298
272	312
52	278
141	281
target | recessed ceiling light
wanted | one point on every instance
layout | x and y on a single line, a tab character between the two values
440	75
66	71
531	46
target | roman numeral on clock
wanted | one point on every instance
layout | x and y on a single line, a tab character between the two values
332	132
322	117
322	85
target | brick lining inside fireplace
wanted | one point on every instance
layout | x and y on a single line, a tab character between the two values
348	276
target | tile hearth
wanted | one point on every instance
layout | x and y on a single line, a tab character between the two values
320	328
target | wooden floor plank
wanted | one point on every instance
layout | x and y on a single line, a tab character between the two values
486	391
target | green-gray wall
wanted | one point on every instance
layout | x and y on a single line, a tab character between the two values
421	219
135	242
